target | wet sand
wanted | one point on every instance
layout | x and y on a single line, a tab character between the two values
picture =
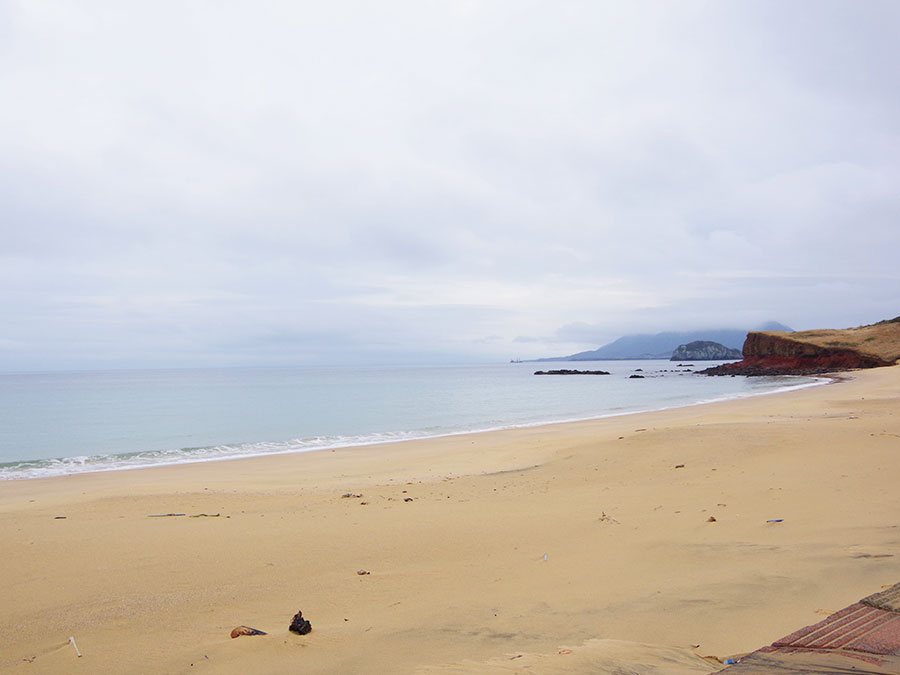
576	547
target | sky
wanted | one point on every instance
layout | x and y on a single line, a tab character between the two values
307	183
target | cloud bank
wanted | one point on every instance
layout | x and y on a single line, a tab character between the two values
406	182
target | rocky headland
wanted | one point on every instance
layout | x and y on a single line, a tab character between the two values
816	351
704	350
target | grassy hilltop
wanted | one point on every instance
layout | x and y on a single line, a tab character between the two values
881	339
817	351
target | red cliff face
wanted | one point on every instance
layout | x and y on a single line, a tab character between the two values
778	354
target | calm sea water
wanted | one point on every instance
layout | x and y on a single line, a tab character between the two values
60	423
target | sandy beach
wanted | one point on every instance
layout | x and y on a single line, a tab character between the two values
641	542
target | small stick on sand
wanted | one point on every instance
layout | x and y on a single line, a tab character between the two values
72	641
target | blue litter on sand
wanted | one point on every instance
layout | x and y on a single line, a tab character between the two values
777	520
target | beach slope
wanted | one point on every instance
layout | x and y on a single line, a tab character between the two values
637	544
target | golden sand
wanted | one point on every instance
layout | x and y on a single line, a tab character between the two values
578	547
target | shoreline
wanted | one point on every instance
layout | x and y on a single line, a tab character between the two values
588	541
44	466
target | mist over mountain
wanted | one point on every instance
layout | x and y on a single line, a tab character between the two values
661	345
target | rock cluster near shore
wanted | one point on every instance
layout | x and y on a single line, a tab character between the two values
571	372
816	351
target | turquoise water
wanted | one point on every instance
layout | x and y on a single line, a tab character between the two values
59	423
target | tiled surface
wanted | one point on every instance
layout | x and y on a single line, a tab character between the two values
857	628
889	599
861	638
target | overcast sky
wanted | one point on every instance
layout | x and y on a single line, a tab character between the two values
250	183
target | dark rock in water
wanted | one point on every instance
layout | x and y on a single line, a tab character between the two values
635	377
571	372
704	350
299	625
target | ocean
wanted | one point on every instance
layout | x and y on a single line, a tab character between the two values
58	423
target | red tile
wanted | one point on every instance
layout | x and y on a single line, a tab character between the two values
883	640
816	628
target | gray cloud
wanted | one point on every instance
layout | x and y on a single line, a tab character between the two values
291	183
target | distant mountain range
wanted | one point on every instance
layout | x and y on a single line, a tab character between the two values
661	345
